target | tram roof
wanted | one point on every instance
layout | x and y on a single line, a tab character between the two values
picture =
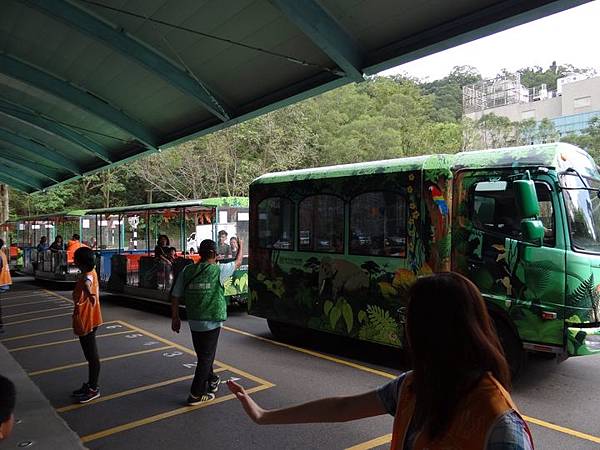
214	202
88	84
557	155
75	213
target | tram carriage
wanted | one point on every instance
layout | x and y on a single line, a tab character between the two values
126	238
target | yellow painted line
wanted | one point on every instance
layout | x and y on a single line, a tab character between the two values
54	294
17	297
129	392
316	354
37	318
41	333
48	344
569	431
37	312
165	415
533	420
192	352
110	358
28	303
372	443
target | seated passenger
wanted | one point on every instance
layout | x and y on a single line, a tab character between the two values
223	248
43	245
161	251
57	245
233	245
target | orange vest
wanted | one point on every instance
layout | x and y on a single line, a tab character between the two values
469	429
5	278
86	316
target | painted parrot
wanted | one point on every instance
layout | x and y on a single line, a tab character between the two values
438	199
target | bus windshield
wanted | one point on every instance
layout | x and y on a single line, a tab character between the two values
583	211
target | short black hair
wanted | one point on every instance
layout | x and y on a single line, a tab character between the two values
207	247
8	398
223	233
85	257
1	242
76	236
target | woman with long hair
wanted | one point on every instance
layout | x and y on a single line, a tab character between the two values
456	396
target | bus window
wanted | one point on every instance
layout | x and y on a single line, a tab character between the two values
276	223
321	224
378	224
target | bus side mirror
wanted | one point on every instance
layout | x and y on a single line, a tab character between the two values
526	198
528	208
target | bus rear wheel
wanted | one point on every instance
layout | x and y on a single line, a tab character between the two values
511	344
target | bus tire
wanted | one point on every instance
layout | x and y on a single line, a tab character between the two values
511	344
282	330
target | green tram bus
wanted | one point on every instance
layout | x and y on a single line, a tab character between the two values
126	238
337	248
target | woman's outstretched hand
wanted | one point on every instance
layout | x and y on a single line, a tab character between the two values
255	412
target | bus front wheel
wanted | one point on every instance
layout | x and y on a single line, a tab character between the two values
283	331
511	344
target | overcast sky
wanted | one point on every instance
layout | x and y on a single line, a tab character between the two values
571	36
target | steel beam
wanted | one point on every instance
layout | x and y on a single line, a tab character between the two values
118	39
38	150
77	96
8	157
323	30
36	119
19	178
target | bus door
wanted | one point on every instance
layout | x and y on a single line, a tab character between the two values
522	282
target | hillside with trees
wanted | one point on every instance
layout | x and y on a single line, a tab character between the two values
383	117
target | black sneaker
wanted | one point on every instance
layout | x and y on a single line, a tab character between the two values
213	384
81	391
90	395
193	400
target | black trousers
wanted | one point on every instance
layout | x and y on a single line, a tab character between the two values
90	351
205	345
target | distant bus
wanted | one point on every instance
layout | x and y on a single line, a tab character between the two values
336	249
125	239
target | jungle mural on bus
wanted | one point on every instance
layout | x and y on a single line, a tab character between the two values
359	296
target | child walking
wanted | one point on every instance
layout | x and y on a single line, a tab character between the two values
86	320
5	278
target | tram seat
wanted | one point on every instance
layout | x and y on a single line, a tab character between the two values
133	261
14	251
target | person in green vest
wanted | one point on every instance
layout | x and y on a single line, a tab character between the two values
201	286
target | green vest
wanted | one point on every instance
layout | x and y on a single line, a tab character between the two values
204	295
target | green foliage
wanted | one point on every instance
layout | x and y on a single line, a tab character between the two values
379	326
341	309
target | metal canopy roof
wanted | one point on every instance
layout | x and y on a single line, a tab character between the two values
90	83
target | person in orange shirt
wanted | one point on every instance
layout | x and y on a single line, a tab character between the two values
459	373
74	244
86	320
5	278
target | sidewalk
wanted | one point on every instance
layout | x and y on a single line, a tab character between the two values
37	422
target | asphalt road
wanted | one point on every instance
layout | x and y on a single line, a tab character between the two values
147	370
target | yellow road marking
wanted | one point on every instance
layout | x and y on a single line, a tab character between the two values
192	352
48	344
109	358
165	415
560	429
37	318
41	333
372	443
28	303
539	422
17	297
38	311
316	354
130	392
54	294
